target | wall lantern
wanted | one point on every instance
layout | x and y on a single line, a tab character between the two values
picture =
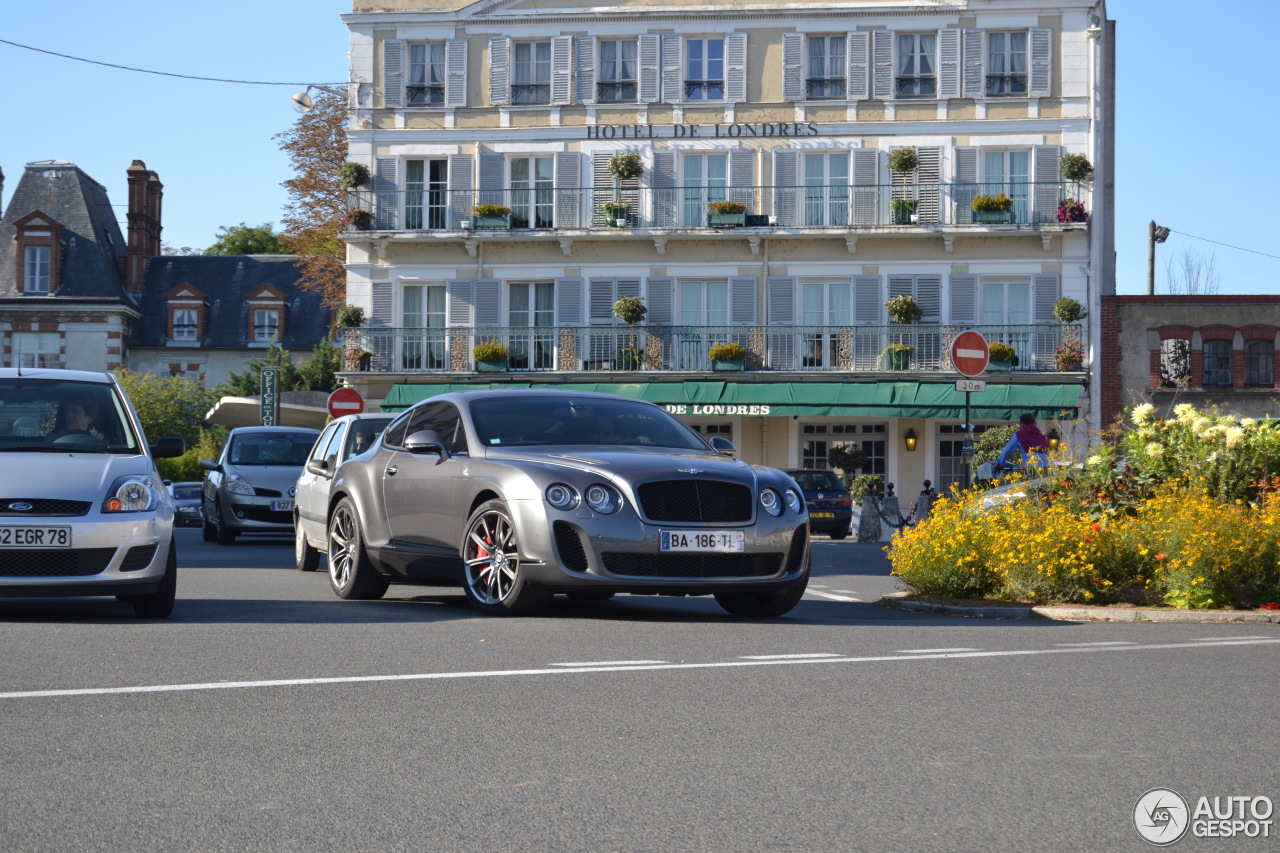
1054	440
910	439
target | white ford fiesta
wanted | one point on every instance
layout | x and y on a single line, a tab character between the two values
83	511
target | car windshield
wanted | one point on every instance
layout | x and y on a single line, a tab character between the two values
60	415
187	492
551	421
818	481
277	448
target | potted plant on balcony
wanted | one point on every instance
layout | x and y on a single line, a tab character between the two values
1072	211
490	356
992	208
353	176
726	214
626	167
488	215
904	210
897	356
630	310
903	160
616	213
1075	167
1069	310
1070	354
359	219
727	356
1003	358
903	309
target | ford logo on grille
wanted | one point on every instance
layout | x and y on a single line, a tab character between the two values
21	506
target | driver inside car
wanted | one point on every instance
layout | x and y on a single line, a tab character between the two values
76	416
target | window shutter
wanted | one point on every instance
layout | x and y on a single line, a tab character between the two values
1045	172
660	299
735	70
499	63
964	300
455	81
384	188
974	52
650	50
600	301
487	300
492	169
562	70
742	177
569	301
929	295
782	300
1041	40
458	302
859	65
568	181
882	66
949	63
1044	293
602	186
628	287
381	297
867	304
966	183
393	73
461	189
928	190
672	69
584	75
793	66
742	300
665	192
786	195
866	178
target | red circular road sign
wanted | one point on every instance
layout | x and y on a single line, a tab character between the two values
345	401
969	353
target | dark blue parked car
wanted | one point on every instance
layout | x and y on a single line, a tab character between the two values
830	507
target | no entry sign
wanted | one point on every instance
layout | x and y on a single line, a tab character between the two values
969	353
345	401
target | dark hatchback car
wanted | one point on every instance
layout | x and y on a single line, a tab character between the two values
830	507
187	498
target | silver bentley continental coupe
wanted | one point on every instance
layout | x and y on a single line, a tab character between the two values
519	495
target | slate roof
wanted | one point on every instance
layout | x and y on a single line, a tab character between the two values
226	281
93	247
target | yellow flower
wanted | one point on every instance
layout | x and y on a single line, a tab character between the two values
1142	413
1234	436
1155	451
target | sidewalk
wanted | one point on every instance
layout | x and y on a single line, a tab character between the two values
1074	612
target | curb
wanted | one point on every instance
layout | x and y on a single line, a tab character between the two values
1076	613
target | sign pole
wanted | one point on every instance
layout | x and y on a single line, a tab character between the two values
269	411
968	425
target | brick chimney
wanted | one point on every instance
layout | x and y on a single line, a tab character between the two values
145	192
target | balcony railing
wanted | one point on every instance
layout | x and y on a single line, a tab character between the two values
837	349
815	207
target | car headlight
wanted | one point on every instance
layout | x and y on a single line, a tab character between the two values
131	494
238	485
603	499
771	502
561	496
794	502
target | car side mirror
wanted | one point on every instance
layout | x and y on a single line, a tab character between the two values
318	466
426	441
168	447
723	445
209	465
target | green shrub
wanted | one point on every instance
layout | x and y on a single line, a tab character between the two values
728	351
492	350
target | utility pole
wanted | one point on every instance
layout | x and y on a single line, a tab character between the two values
1156	234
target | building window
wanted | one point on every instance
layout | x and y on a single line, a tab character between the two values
1175	362
423	339
532	192
531	83
706	179
1006	64
951	467
426	75
1009	172
825	311
531	317
826	189
1259	363
818	439
36	349
184	324
616	79
35	270
266	324
704	70
426	196
917	75
827	68
1217	364
709	430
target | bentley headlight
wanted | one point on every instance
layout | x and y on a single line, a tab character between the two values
771	502
794	501
603	499
561	496
131	494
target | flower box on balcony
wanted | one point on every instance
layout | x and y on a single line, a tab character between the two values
630	359
482	222
728	365
904	210
491	216
726	214
495	366
993	217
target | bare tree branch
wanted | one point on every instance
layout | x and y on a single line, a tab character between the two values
1192	274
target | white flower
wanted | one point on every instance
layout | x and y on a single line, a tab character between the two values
1184	411
1095	459
1154	450
1249	423
1234	436
1141	413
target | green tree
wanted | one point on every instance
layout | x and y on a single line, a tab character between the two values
988	446
314	374
174	405
247	240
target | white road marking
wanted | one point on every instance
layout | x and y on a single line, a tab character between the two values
499	673
793	657
1111	643
933	651
611	663
831	596
1223	639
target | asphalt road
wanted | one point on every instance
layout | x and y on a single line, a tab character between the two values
269	715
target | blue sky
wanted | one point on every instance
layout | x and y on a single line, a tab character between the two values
1193	91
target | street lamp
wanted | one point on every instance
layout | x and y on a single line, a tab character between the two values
1157	234
302	100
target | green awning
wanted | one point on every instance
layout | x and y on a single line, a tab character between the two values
1004	401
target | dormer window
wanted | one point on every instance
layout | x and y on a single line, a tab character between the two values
266	316
266	324
186	316
38	238
184	324
36	261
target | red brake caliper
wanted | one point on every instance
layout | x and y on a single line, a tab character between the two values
486	574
